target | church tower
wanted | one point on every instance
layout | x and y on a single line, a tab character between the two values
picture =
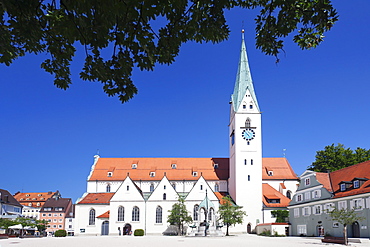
245	182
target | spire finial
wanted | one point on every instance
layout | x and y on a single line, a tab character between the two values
242	33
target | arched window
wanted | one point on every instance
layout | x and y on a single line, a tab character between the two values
210	214
216	187
174	186
121	214
248	123
135	214
289	194
92	217
158	215
108	187
196	213
151	187
164	196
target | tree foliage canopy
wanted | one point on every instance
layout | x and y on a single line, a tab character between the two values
117	36
280	215
179	215
230	214
335	157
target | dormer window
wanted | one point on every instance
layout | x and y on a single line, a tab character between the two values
342	187
134	166
28	195
195	174
110	174
39	195
356	184
215	166
270	173
173	166
152	174
307	181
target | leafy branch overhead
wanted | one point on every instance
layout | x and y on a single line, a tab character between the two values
117	35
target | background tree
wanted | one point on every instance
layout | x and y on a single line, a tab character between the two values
345	217
41	225
280	215
333	158
179	216
25	222
230	214
5	223
117	36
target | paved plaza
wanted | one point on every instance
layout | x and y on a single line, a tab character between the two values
165	241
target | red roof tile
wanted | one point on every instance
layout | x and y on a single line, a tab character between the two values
361	170
184	168
270	193
105	215
323	178
37	199
279	166
96	198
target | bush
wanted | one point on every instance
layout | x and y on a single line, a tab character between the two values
139	232
60	233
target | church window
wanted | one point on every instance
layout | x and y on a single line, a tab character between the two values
251	161
92	217
121	214
164	187
245	161
210	214
251	106
201	187
158	215
248	123
128	187
244	106
164	196
249	178
151	187
216	187
232	137
108	188
289	194
196	213
135	214
174	185
110	174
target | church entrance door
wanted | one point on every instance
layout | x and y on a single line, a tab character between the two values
105	228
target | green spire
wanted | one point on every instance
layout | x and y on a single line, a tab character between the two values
243	80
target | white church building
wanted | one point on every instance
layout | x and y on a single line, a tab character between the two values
124	194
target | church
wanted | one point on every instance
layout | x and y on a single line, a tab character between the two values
124	194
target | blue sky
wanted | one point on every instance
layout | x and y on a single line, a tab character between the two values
309	100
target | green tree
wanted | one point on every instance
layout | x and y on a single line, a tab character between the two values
117	36
25	222
333	158
230	214
179	215
41	225
280	215
345	217
5	223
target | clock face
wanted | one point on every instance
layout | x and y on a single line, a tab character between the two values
248	134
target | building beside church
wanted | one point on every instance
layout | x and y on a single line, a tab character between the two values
318	193
124	194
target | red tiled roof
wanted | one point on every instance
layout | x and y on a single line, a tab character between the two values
105	215
361	170
279	166
96	198
323	178
282	185
270	193
37	199
220	195
184	168
121	167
